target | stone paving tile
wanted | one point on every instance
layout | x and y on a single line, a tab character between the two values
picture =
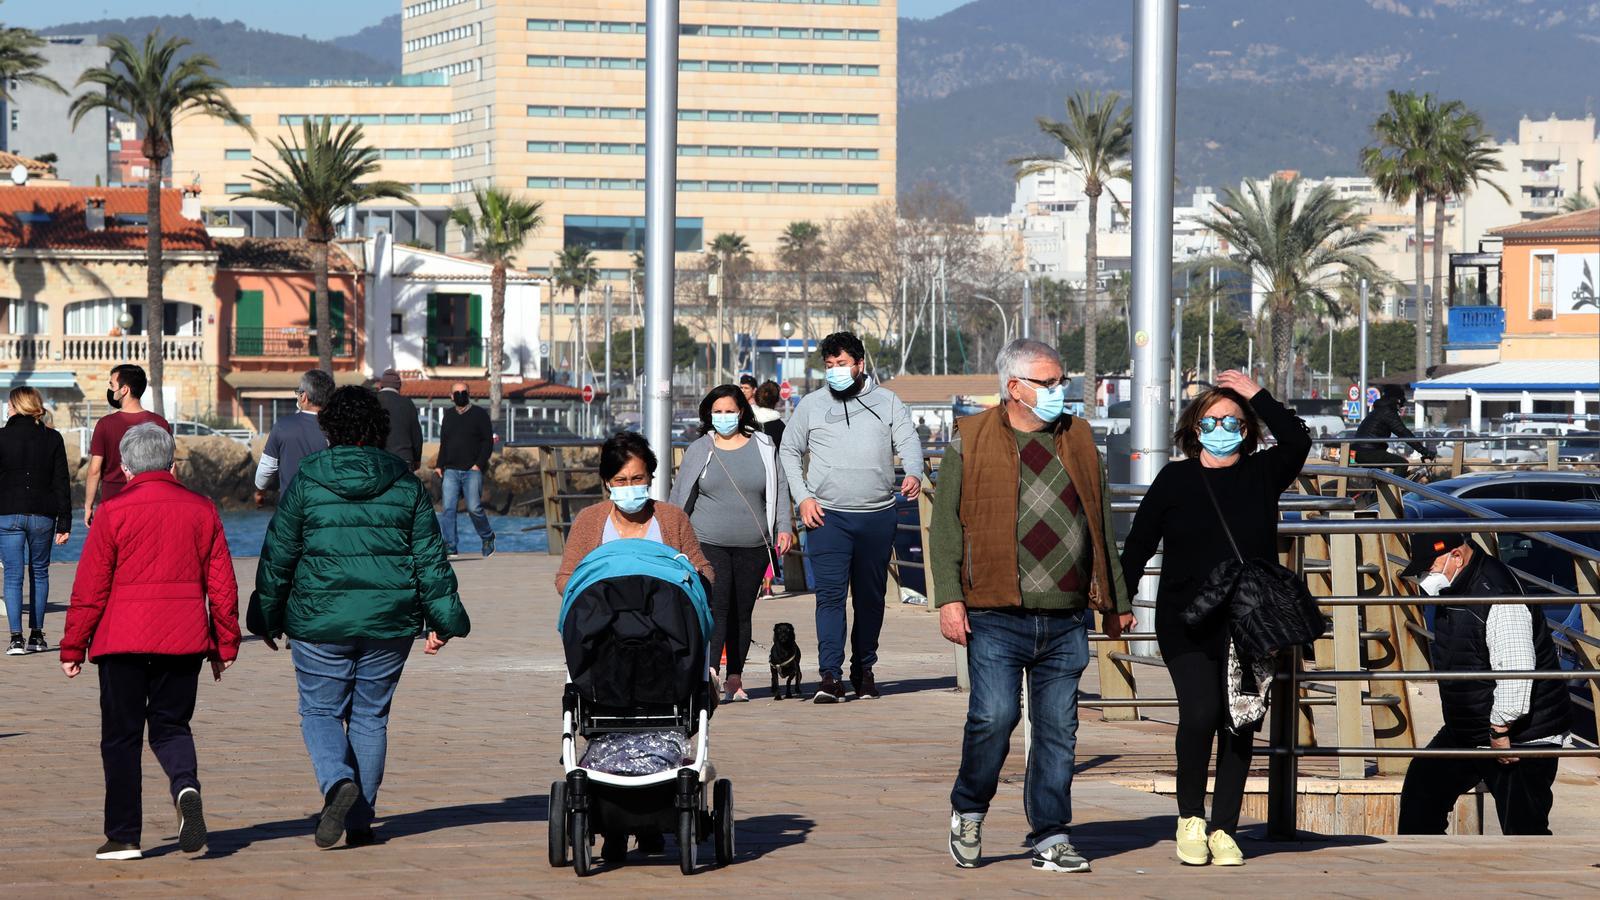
841	801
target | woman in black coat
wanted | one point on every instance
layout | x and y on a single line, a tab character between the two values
1218	434
35	504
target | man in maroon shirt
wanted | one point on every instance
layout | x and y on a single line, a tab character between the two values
126	386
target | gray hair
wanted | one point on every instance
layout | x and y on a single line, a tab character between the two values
147	448
317	386
1015	356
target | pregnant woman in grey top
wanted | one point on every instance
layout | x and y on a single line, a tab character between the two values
738	502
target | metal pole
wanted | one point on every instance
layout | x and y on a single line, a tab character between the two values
661	216
1363	316
1155	89
1177	347
1027	308
1211	326
608	351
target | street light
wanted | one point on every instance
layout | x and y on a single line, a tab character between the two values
1005	324
124	322
787	330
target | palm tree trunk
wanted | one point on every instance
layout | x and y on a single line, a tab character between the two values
497	335
324	306
1422	273
155	311
1282	341
1436	338
1091	294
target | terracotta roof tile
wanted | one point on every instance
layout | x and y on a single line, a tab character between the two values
925	389
278	255
51	218
1582	223
439	389
36	169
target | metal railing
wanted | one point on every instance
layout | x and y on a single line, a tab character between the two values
291	342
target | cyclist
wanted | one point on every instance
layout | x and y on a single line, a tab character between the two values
1387	419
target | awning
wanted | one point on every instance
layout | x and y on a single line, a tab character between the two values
1521	375
43	381
279	385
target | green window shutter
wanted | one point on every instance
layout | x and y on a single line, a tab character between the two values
431	354
336	313
475	331
247	323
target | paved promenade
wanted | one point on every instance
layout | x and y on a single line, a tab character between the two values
848	800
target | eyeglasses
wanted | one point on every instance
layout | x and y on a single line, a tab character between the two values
1230	424
1043	383
629	481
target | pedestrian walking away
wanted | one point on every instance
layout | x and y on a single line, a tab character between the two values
352	568
466	440
154	600
405	427
35	512
738	502
1218	434
1502	714
768	396
105	478
838	453
1021	548
295	437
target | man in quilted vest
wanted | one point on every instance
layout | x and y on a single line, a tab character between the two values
154	599
1021	549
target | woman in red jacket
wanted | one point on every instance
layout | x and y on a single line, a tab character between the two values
154	597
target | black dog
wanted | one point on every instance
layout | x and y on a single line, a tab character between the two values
784	659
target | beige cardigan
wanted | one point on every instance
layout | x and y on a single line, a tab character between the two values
590	526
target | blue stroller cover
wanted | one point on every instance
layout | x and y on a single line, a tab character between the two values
635	556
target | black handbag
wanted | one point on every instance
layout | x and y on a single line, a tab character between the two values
1269	608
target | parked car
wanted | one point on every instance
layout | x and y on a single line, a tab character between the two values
1532	485
185	428
542	433
1579	447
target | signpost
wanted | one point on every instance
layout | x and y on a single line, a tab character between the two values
588	393
786	390
1353	394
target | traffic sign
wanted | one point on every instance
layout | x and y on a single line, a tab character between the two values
1352	409
588	393
786	390
1354	393
1372	395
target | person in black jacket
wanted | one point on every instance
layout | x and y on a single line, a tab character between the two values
35	503
405	428
466	438
1386	419
1218	432
1488	713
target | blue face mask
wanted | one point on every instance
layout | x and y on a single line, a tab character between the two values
725	424
1221	443
630	498
1051	402
840	378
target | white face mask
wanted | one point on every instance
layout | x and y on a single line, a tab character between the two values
1434	583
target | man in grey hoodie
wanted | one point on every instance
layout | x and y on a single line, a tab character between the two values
838	454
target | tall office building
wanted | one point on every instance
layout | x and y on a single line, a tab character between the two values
35	122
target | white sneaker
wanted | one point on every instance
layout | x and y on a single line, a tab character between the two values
1192	849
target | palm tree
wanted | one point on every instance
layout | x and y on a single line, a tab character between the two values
498	227
574	270
152	86
1407	164
1096	139
800	247
20	62
1468	156
1581	201
320	175
1297	251
731	250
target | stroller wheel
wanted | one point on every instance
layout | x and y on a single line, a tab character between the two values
556	821
722	820
688	841
582	852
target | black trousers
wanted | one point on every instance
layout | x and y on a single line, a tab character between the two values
137	690
1198	677
733	600
1521	790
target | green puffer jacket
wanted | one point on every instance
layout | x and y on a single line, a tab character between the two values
354	552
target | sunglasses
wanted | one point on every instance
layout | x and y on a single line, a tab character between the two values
1230	424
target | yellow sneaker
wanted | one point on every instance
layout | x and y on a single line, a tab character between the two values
1192	841
1224	852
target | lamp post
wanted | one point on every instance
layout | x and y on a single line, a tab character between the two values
1005	324
124	322
787	329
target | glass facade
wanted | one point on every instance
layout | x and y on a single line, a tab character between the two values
626	233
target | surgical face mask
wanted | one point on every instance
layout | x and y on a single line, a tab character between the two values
725	423
111	398
1048	402
840	378
630	498
461	398
1434	583
1221	443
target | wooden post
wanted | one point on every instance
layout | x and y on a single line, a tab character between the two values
1347	652
1458	459
924	528
1117	681
550	481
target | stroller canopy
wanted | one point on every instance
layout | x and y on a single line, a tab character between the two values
635	556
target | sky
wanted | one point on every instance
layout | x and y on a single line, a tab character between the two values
312	18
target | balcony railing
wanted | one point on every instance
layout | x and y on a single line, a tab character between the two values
24	347
1475	326
281	343
457	352
133	348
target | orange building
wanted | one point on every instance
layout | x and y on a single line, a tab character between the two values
1550	288
268	334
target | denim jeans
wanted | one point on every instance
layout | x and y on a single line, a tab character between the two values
463	484
1054	650
850	555
345	692
25	543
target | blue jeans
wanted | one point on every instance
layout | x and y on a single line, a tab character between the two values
25	544
467	485
345	692
1054	650
850	555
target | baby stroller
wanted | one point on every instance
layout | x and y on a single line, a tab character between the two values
634	624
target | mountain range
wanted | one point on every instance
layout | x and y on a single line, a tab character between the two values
1262	84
